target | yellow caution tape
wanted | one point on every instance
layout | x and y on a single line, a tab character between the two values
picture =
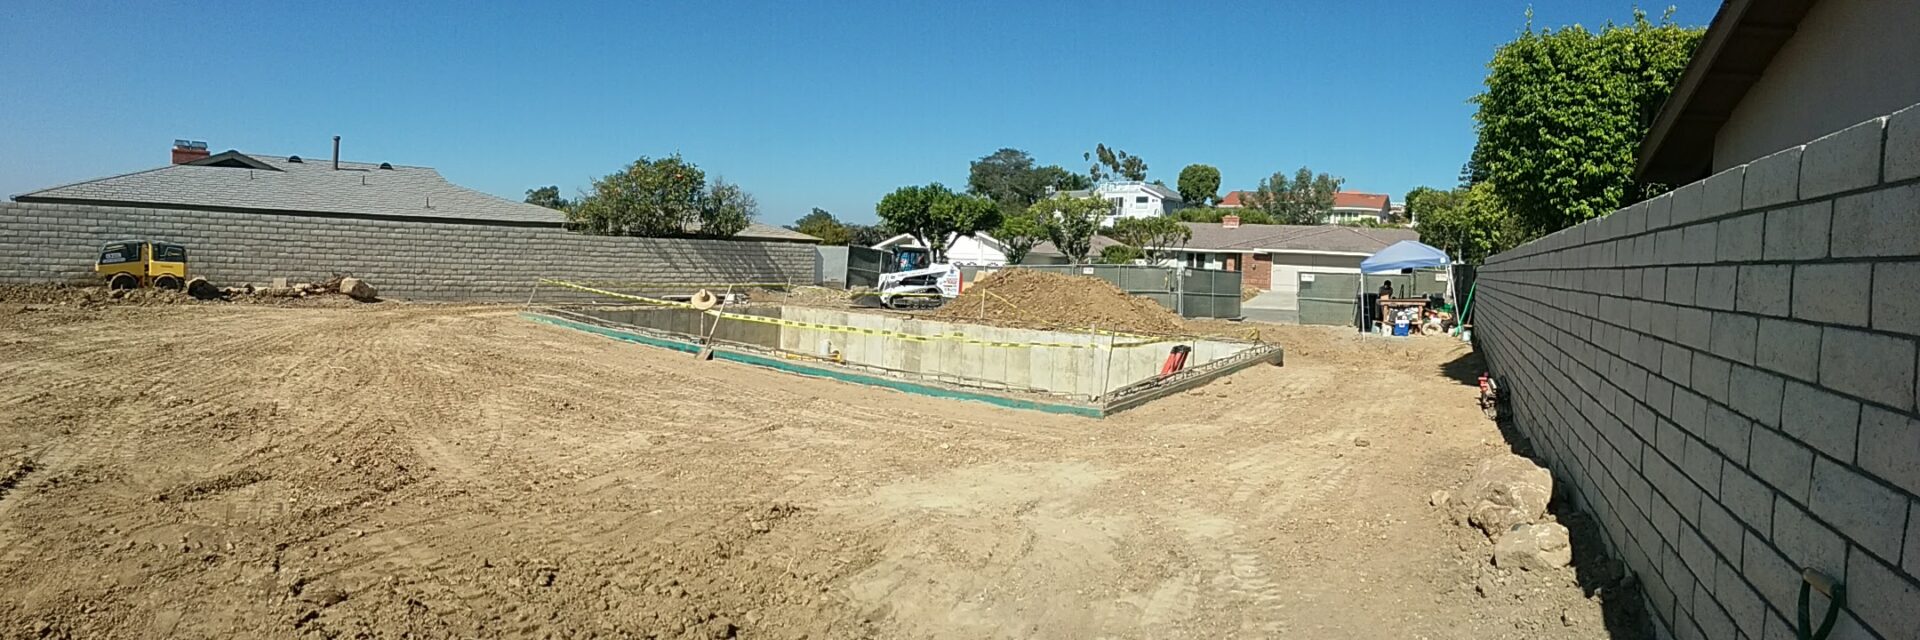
818	326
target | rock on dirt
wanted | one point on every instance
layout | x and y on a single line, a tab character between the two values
1534	547
1505	491
1044	300
358	289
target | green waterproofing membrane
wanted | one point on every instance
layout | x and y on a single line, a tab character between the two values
780	364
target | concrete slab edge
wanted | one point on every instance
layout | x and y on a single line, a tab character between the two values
1196	377
821	371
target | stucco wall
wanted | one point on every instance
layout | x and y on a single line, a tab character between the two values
423	260
1849	60
1724	376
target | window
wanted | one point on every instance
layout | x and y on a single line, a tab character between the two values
1140	199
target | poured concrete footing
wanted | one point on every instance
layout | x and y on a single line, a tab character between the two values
1058	371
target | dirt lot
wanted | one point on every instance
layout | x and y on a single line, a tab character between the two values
427	471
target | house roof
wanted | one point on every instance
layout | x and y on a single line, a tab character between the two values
249	182
759	231
1736	50
1158	190
1162	191
1251	238
1358	200
1341	200
235	181
1094	246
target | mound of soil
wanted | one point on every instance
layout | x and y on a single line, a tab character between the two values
93	297
1044	300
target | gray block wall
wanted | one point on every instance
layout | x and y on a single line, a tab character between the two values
409	260
1725	377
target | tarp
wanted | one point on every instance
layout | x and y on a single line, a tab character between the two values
1405	254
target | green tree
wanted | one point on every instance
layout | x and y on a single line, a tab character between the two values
1063	180
1414	199
866	235
1469	223
1200	185
821	224
1010	178
726	209
1563	114
1307	198
648	198
1072	222
664	197
1120	254
1214	214
933	213
549	197
1108	163
1019	232
1155	237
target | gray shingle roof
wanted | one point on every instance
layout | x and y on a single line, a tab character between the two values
758	231
1094	245
1285	237
310	186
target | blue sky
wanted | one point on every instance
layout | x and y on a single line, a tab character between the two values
805	104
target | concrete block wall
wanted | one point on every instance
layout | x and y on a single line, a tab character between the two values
404	259
1725	377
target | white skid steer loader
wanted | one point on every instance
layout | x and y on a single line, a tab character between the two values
914	283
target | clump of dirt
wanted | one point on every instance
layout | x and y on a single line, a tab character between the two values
93	297
1043	300
807	296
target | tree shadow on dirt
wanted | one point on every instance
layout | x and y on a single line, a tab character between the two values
1622	609
1465	369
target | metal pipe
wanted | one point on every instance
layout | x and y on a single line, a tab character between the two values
336	153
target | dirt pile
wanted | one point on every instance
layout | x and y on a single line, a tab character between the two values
806	296
1042	300
324	293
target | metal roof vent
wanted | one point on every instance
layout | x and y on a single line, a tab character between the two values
386	166
295	160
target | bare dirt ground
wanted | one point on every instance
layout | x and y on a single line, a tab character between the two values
426	471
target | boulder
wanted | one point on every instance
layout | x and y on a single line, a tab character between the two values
358	289
1534	547
1506	491
200	288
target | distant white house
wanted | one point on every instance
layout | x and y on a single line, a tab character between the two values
977	250
1133	199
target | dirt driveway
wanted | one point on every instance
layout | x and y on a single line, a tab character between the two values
394	470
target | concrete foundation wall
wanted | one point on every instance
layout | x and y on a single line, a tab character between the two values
1070	371
420	260
1725	377
1084	373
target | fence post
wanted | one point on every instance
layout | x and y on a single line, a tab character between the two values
1179	292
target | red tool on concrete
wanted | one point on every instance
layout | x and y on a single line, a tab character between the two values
1176	360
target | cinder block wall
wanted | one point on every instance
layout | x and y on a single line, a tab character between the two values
1725	377
415	260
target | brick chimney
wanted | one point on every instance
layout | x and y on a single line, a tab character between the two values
1229	221
185	151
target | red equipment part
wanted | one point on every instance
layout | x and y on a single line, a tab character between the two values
1176	360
